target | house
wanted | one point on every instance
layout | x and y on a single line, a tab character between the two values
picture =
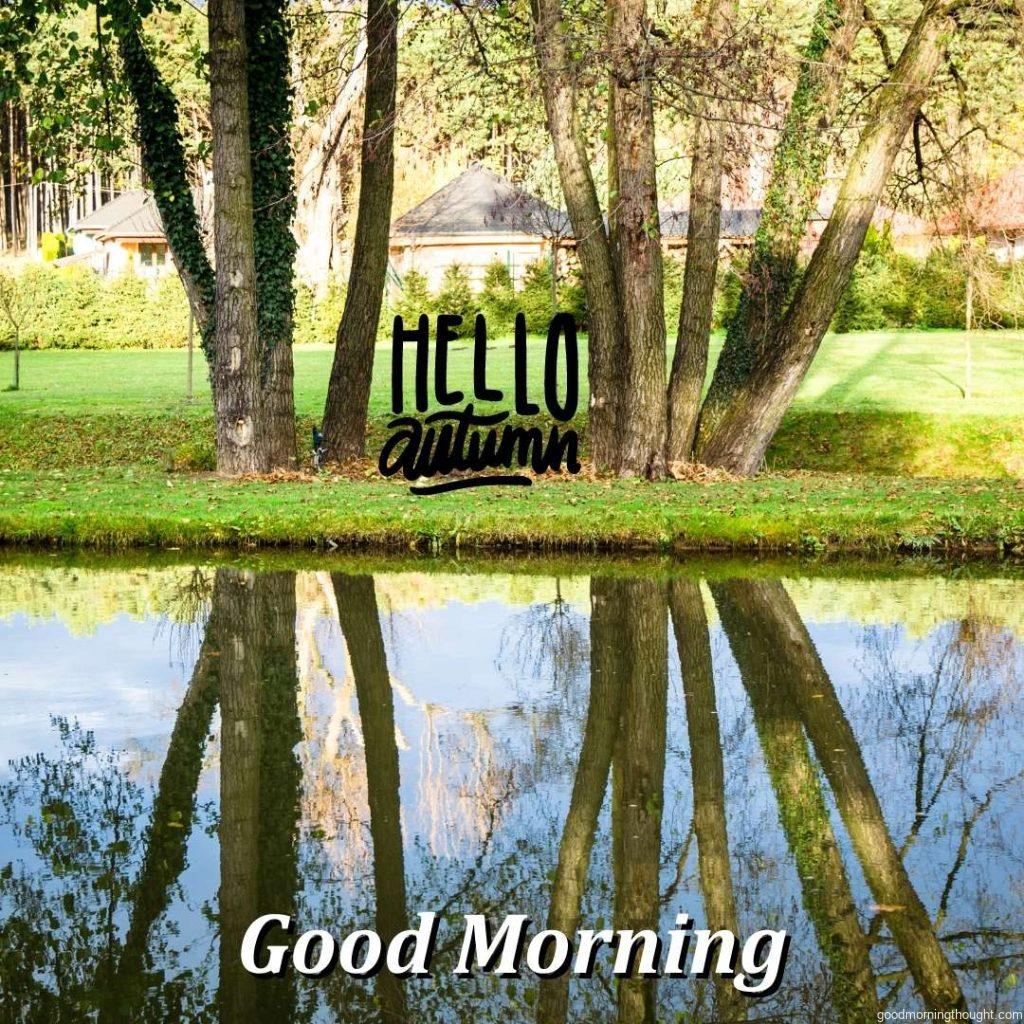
477	218
123	234
998	213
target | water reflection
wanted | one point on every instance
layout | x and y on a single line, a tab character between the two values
350	750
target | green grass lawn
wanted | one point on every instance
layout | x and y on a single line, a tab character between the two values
805	513
900	371
892	455
885	402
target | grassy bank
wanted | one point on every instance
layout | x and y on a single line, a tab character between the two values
100	450
775	513
889	403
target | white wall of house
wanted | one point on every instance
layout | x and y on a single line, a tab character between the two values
432	255
114	256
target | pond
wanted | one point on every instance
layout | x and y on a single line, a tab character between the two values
834	751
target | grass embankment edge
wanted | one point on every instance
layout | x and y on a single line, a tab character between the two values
775	513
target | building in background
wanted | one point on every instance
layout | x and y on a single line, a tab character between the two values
125	234
477	218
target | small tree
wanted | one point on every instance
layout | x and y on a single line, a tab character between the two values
14	309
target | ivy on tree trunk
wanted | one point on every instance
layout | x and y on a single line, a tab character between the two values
798	167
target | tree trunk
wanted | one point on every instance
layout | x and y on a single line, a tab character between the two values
608	673
171	819
773	623
241	446
690	361
747	609
638	781
637	244
273	182
798	167
690	623
348	394
606	351
279	771
239	993
745	430
360	625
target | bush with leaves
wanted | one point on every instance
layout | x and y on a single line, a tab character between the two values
498	298
456	297
534	299
413	299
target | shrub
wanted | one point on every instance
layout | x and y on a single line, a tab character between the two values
498	298
414	299
456	297
316	319
534	299
52	246
942	290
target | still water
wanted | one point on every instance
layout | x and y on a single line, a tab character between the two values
832	752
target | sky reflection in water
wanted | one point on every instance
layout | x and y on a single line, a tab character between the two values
846	763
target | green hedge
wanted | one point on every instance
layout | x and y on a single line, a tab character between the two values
890	290
497	298
72	307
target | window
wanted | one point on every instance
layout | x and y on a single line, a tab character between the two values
152	254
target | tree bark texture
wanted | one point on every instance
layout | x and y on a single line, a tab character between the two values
608	673
606	352
690	624
348	393
638	780
236	370
776	636
703	231
746	608
268	36
757	407
798	166
360	625
239	993
643	418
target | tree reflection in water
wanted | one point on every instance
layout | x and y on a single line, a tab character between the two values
97	920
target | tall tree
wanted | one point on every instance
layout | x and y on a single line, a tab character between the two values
690	624
703	231
360	625
348	392
803	813
768	634
608	673
637	241
742	436
798	167
606	339
638	782
236	366
268	34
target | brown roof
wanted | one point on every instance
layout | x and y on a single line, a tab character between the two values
479	201
132	214
1000	205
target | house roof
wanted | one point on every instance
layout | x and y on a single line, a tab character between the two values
735	223
132	214
1000	206
479	201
